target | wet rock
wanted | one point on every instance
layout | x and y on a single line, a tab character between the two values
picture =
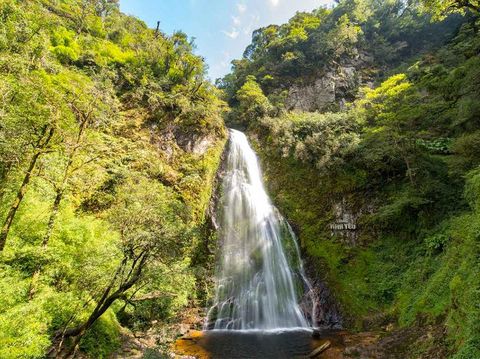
210	325
325	312
213	210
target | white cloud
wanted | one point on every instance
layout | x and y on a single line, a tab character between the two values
232	34
236	20
226	59
252	24
274	2
242	8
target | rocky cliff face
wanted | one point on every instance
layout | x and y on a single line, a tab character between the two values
189	140
194	143
333	87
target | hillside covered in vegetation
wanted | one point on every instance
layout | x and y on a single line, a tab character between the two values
110	137
367	119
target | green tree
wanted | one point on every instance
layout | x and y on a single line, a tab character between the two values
96	111
441	8
35	126
389	116
323	141
253	104
148	217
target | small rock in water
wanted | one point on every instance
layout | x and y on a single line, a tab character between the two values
316	334
210	325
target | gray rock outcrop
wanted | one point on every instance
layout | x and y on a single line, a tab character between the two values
332	88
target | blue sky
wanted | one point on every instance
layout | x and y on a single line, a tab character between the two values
221	28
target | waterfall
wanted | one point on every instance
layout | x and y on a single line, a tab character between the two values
258	284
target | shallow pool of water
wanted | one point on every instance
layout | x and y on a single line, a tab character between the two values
257	344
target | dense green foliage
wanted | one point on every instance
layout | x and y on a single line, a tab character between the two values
110	138
381	33
402	157
441	8
103	198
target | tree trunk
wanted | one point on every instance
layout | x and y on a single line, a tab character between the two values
157	30
409	170
66	175
107	300
99	310
53	215
58	198
80	331
41	145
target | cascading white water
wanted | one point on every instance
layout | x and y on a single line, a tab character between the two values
257	284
